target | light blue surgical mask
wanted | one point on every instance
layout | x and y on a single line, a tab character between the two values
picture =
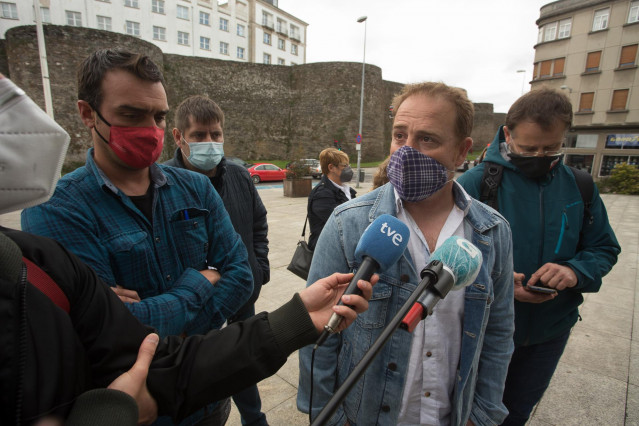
205	155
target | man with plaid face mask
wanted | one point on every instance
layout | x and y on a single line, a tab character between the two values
451	369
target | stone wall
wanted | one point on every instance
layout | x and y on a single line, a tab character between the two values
272	112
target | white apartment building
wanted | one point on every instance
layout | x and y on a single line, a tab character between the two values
239	30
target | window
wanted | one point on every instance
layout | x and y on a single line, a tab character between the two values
280	61
133	28
104	23
583	140
551	32
628	55
619	100
267	19
540	35
224	48
159	33
580	161
240	30
592	61
74	19
281	44
545	69
267	38
585	101
157	6
295	32
9	10
267	58
633	15
240	53
558	67
183	38
183	12
205	43
45	15
294	49
564	28
610	161
224	24
600	22
132	3
204	18
281	26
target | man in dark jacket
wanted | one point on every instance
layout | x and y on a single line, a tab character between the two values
199	136
558	243
332	191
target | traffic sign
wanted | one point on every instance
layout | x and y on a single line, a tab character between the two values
359	138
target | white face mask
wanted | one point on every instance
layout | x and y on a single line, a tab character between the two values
205	155
32	150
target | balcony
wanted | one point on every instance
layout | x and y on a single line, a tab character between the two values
295	36
268	23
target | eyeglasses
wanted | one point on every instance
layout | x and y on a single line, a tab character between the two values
544	153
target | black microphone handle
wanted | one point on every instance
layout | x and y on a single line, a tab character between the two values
366	270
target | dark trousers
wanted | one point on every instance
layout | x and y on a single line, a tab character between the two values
529	374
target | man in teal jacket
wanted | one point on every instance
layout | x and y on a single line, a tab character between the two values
555	244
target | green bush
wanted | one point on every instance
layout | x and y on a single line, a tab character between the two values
624	179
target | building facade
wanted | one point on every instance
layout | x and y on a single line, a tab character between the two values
239	30
589	49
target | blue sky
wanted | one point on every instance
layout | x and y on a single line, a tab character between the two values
475	44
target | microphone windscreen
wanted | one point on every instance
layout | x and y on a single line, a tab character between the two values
462	257
384	240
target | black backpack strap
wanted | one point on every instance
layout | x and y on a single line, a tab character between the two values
586	189
490	181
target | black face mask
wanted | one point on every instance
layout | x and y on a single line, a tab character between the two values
534	167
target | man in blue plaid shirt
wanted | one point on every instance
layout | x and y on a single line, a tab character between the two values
159	236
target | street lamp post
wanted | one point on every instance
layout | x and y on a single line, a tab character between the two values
523	80
358	146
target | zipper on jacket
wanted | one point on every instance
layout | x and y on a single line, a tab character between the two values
541	223
564	220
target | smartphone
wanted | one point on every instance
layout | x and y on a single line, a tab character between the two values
540	289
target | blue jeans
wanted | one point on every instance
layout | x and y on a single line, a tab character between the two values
529	374
248	401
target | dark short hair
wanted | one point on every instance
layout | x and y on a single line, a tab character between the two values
543	106
456	96
202	109
93	69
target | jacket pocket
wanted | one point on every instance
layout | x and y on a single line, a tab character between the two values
191	239
375	316
129	250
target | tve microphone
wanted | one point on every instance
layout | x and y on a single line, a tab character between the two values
453	266
381	245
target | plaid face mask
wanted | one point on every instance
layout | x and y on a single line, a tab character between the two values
415	176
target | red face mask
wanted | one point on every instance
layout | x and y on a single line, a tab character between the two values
137	147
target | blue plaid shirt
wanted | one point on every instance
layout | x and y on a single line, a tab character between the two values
161	260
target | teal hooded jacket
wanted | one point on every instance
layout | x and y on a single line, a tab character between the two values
546	217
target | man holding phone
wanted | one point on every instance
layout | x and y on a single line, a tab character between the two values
562	242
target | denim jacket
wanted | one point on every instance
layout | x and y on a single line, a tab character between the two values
488	323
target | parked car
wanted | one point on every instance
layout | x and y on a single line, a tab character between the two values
314	167
263	172
238	161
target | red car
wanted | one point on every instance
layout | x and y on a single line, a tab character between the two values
265	172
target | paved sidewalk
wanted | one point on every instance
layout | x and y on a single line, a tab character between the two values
597	381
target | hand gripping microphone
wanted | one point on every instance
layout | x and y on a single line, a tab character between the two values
381	245
453	266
